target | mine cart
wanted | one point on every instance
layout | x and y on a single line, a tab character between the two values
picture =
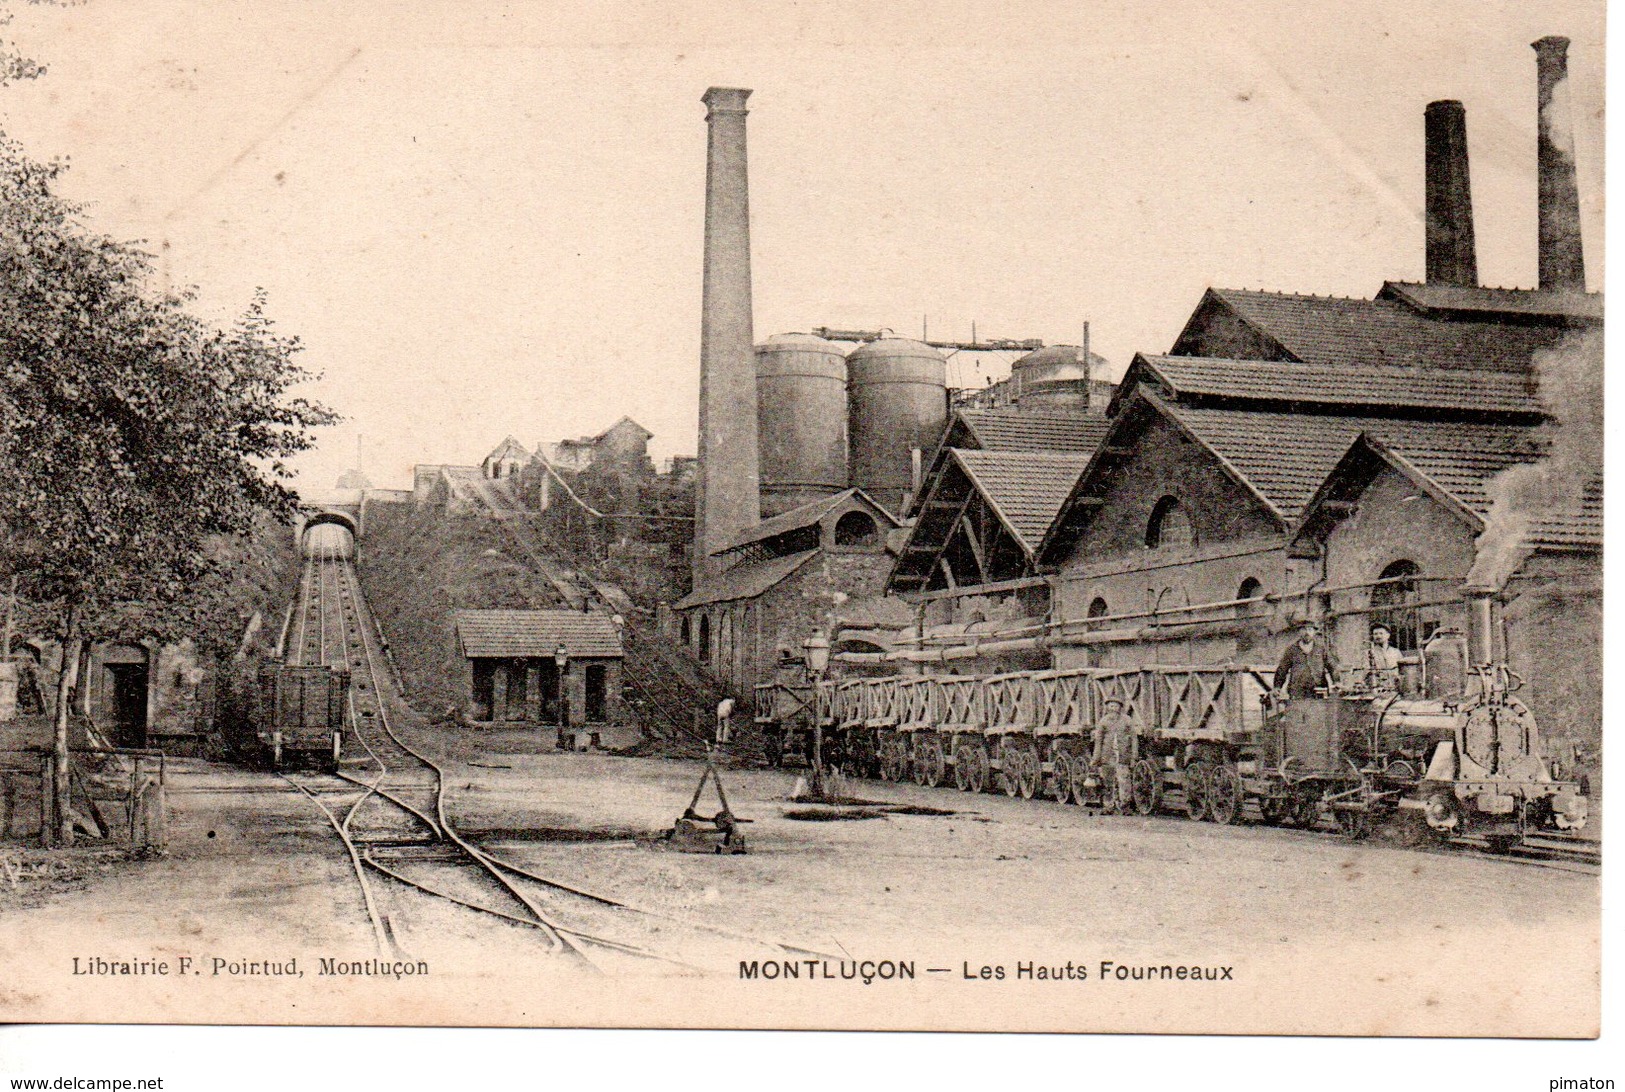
301	714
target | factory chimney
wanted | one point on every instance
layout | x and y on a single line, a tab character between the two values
1452	257
726	490
1562	263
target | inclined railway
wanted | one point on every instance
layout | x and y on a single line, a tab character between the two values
386	802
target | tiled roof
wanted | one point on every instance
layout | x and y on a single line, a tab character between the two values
1578	524
1359	386
1466	299
803	515
536	633
1285	456
1017	430
1025	489
745	581
1338	332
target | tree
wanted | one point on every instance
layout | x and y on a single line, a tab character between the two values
133	437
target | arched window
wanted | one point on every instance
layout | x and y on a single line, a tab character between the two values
855	529
683	631
1097	653
1394	603
1252	610
705	637
1169	525
1251	589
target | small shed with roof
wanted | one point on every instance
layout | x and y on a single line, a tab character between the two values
543	667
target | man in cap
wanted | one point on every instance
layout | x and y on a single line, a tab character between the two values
1306	664
1114	746
1381	660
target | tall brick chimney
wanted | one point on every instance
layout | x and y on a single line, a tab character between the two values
727	490
1452	256
1562	262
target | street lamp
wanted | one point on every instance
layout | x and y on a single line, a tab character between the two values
816	650
561	661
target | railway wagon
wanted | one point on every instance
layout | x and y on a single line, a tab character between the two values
301	714
1217	743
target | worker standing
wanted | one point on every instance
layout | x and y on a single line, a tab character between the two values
1306	664
725	712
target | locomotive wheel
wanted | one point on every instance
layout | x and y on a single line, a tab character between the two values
1224	795
1305	811
1147	780
1355	824
1196	774
1060	787
1276	810
1029	772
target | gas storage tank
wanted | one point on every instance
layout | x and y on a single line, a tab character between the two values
801	420
897	402
1055	377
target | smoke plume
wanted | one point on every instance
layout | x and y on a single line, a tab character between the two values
1570	384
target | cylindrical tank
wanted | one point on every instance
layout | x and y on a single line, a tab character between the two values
801	420
897	402
1054	377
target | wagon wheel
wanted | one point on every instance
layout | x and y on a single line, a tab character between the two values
962	767
1196	774
1147	787
979	767
1080	781
1060	787
930	764
1029	771
888	759
1224	795
1005	779
914	746
904	768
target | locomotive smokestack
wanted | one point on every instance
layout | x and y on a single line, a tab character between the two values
727	496
1480	626
1452	256
1562	261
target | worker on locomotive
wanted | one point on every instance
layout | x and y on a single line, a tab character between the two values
1307	665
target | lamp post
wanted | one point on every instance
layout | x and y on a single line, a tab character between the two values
816	648
561	662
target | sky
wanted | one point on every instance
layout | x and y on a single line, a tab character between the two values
486	219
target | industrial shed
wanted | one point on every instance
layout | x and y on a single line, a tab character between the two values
539	667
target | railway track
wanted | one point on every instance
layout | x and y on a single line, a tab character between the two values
388	808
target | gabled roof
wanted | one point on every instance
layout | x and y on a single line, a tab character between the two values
804	515
508	447
1459	472
1469	300
623	421
1282	458
1025	430
745	581
1338	332
535	634
1024	489
1360	388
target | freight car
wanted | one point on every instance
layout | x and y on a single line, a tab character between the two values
1454	746
301	714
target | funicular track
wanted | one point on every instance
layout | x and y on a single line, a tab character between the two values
389	811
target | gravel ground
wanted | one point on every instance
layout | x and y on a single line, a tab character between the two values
1320	935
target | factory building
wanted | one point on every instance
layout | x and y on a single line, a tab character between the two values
1348	460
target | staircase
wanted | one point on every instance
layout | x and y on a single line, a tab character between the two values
675	700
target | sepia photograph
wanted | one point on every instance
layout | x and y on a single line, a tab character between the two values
1038	517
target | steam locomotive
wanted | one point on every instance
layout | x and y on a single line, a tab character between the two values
1445	742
